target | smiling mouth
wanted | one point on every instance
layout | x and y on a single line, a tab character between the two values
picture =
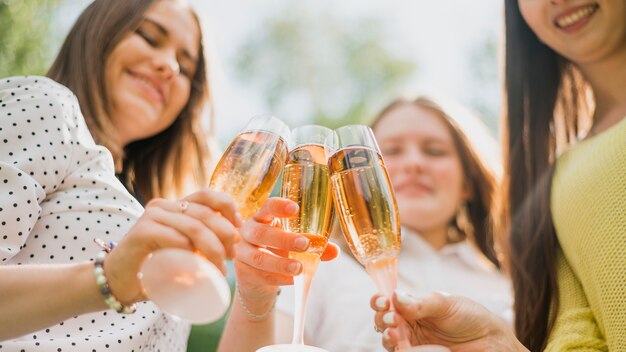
148	86
414	189
577	16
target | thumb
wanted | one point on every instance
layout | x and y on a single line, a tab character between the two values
435	305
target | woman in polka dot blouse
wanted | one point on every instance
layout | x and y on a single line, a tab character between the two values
58	192
58	189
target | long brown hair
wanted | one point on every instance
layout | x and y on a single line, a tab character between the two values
479	178
162	165
545	103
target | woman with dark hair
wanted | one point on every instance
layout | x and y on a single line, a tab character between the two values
444	184
564	190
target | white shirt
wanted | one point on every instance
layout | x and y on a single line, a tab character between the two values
58	191
339	316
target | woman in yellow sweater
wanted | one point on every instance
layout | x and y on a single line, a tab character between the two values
566	220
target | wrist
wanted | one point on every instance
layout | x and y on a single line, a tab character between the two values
505	338
105	289
91	298
258	307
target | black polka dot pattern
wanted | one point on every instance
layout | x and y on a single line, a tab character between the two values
58	191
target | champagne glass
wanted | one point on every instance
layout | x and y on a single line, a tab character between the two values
188	286
365	204
252	163
306	182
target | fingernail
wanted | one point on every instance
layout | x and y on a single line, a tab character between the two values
292	208
381	302
403	297
388	318
294	268
386	334
301	243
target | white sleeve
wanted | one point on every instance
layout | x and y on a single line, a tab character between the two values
40	127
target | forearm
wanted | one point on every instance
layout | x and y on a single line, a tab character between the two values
244	334
33	297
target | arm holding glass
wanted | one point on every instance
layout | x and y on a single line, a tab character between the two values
264	261
37	295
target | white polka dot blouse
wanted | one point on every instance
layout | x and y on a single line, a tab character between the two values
58	192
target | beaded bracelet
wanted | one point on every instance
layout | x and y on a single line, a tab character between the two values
103	284
252	316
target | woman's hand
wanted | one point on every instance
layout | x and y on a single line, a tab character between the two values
452	321
262	260
205	221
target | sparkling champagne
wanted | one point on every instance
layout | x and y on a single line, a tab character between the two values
306	182
249	168
365	203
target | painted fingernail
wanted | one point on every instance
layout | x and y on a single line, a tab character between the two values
381	302
294	268
301	243
388	318
403	297
292	208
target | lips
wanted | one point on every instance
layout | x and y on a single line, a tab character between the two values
413	188
148	85
577	17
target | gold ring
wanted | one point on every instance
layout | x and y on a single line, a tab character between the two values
183	206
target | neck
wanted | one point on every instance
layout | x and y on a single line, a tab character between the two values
437	238
608	81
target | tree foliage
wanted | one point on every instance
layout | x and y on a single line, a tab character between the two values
320	68
24	39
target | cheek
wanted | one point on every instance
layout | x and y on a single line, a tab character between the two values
449	180
179	96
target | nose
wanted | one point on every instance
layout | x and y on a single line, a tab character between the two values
414	160
167	64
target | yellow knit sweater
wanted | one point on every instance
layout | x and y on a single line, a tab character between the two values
589	212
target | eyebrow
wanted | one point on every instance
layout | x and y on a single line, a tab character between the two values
166	33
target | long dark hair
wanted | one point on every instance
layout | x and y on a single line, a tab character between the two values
157	166
544	104
479	178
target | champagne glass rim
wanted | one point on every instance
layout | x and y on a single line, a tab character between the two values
267	123
309	135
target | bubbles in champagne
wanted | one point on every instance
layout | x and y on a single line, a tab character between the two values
365	203
249	168
306	182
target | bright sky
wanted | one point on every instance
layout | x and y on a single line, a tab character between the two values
438	35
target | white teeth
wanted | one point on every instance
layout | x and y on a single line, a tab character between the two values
576	16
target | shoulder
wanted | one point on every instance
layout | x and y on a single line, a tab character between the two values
34	102
13	88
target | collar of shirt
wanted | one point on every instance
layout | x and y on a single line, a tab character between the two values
465	251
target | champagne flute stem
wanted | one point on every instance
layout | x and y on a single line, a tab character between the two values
384	273
302	284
